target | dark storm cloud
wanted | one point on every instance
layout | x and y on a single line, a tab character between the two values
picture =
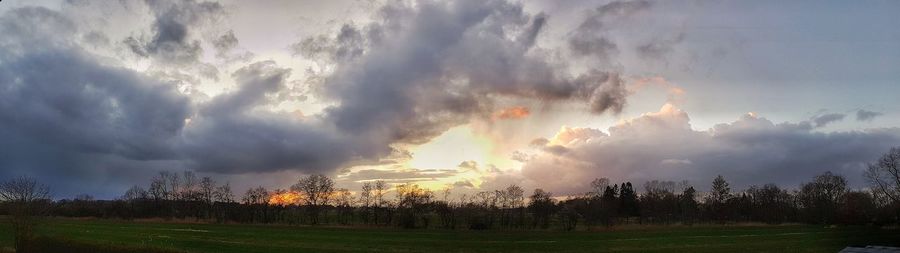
864	115
751	150
171	41
823	120
62	111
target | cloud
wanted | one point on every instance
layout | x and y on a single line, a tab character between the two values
515	112
823	120
172	40
226	44
864	115
662	145
418	70
68	116
405	78
591	37
659	48
572	135
468	165
676	162
228	134
464	183
349	43
397	175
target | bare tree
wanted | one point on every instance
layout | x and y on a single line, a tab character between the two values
189	187
378	198
316	190
158	189
344	201
598	186
412	203
172	184
224	194
365	197
256	196
207	190
26	199
380	188
223	198
821	197
884	175
542	205
135	193
513	213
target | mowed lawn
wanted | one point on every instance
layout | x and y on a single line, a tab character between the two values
262	238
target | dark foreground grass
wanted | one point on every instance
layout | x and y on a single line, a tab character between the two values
259	238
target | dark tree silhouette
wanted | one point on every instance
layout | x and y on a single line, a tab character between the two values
543	206
687	204
27	200
770	203
821	197
719	196
316	191
628	201
884	175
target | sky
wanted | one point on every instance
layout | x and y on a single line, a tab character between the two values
97	96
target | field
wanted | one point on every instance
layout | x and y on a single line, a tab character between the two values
264	238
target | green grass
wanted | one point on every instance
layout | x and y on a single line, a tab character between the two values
260	238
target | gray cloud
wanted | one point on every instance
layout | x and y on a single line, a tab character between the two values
228	136
225	43
591	37
864	115
659	48
349	43
431	66
172	39
662	145
226	47
68	117
413	73
823	120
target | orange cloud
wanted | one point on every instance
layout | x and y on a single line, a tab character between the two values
516	112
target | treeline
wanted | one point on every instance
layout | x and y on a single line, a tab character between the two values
314	200
826	199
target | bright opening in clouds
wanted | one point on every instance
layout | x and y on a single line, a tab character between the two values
97	96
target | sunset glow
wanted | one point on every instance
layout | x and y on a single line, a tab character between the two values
219	126
285	198
466	95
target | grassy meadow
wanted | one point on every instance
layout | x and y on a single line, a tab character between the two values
186	237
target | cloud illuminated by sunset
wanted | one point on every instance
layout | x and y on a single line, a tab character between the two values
472	95
516	112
